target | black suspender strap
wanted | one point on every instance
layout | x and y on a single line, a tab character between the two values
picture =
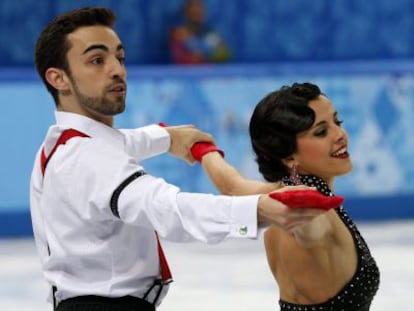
117	192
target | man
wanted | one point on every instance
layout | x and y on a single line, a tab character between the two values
96	214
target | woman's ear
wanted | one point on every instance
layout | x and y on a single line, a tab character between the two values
58	79
289	161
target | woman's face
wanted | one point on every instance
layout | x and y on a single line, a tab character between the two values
322	150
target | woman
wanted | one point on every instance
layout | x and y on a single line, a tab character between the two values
297	137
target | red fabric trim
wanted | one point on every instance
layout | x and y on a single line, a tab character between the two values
165	269
307	199
64	137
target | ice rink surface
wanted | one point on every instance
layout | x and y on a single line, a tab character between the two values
232	276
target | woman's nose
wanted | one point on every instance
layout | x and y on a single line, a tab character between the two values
340	135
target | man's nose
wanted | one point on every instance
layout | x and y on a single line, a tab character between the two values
117	69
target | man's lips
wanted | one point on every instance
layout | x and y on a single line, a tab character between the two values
118	89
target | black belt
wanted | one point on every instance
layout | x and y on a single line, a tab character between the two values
98	303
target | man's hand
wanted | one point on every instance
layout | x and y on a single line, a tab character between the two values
183	138
274	212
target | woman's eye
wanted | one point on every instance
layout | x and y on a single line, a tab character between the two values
339	122
320	132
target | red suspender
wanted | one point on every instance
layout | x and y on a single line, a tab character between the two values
166	276
64	137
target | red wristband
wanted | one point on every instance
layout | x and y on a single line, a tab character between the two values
198	150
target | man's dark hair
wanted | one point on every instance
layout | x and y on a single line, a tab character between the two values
52	46
275	123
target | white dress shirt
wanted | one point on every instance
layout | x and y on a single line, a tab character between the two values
86	250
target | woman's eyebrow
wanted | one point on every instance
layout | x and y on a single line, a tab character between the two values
323	121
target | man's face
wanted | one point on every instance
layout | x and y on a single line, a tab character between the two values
97	71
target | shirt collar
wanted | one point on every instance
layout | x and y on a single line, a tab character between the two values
88	126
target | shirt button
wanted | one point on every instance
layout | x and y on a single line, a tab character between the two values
243	230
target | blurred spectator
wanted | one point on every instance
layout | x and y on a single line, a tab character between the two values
195	42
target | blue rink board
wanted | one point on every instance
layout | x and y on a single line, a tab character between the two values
375	100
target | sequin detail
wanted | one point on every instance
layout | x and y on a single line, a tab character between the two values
358	293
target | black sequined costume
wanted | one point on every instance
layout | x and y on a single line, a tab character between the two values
358	293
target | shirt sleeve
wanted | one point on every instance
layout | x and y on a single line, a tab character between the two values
181	216
112	191
145	142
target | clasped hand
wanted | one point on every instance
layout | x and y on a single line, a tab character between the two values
183	137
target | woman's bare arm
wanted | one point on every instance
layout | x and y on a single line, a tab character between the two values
315	233
228	180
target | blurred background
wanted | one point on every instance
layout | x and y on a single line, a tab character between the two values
359	52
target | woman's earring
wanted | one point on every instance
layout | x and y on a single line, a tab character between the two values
294	176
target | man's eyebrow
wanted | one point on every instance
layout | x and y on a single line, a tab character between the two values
102	47
96	47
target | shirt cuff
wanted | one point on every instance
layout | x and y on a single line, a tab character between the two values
244	216
161	138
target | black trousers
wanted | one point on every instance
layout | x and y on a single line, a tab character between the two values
97	303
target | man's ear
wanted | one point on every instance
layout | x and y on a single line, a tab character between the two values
58	79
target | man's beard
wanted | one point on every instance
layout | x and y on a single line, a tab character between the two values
99	105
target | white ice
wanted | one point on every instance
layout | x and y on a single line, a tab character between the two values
231	276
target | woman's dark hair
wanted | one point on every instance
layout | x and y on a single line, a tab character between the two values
52	45
275	123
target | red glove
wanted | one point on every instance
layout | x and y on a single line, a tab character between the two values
307	199
198	150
